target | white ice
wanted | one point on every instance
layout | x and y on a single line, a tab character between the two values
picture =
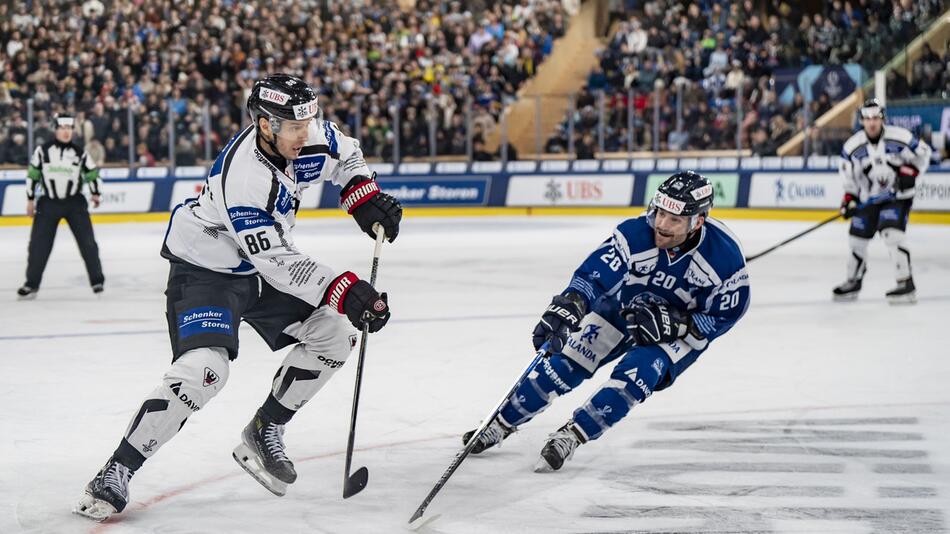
810	416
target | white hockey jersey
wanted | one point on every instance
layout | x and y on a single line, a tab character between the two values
241	222
868	169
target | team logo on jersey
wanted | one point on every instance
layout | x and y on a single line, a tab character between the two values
211	378
658	366
590	333
352	342
645	266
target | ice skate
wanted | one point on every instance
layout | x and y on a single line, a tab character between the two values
97	289
107	493
559	448
847	291
26	293
904	293
493	435
261	454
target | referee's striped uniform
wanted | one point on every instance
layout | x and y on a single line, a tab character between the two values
61	170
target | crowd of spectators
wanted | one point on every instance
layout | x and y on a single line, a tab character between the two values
107	62
723	55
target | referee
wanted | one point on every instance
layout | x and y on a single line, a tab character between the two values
61	167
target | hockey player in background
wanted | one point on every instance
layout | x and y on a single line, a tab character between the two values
233	258
881	161
651	297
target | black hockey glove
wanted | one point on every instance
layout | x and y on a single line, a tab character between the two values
362	199
654	323
559	321
355	298
906	176
849	205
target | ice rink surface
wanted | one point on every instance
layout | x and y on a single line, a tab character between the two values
809	416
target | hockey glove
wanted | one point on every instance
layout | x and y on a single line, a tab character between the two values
654	323
849	205
361	304
362	199
559	321
906	177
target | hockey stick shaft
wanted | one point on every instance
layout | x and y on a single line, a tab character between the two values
354	484
462	454
870	202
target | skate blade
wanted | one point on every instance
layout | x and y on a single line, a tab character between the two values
910	298
31	296
845	298
543	466
93	508
249	462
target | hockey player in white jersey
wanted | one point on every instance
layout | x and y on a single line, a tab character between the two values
881	161
232	258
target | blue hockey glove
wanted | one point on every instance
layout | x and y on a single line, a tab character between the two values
559	321
653	323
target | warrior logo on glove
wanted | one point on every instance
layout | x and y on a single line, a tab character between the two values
362	199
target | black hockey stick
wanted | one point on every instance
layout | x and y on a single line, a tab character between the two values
880	199
462	454
354	483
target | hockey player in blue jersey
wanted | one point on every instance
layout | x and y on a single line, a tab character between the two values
651	298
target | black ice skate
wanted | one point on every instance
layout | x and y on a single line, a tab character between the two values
904	293
848	290
26	293
97	288
107	493
493	435
559	448
261	454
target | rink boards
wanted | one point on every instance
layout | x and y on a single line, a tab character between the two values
521	184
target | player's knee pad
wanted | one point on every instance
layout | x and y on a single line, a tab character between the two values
550	378
188	385
329	337
302	374
632	381
893	237
859	245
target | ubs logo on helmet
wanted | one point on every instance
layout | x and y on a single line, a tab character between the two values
306	111
276	97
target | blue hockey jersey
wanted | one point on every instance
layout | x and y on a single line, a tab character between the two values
709	282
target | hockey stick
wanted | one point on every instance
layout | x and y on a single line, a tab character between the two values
880	199
354	483
462	454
